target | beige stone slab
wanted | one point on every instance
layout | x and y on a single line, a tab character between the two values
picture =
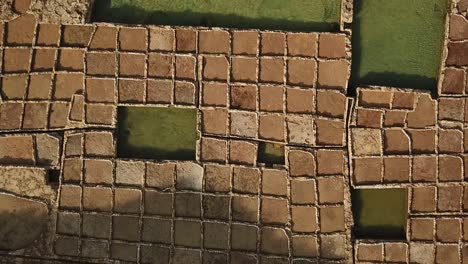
16	150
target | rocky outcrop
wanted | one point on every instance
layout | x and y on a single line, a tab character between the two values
21	221
30	182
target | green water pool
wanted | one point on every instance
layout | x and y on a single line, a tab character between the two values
316	15
157	133
398	42
380	213
270	153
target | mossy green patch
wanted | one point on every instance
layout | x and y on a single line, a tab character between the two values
398	42
380	213
270	153
157	133
317	15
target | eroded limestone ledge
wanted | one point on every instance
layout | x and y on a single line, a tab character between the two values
26	181
50	11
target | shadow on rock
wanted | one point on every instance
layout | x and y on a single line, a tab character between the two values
21	221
